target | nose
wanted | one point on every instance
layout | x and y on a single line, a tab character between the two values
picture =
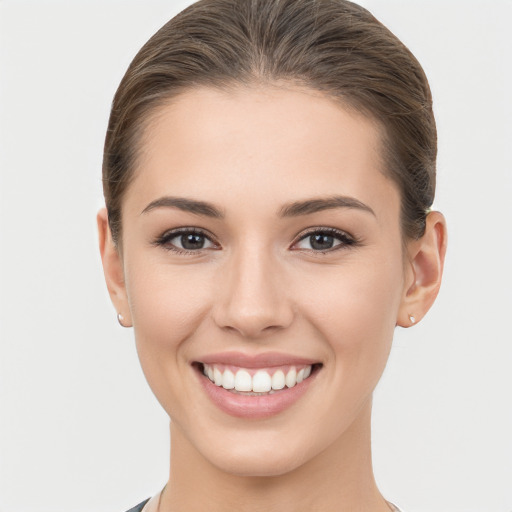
253	298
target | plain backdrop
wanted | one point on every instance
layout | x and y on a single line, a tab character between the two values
80	430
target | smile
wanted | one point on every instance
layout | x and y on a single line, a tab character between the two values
255	387
250	381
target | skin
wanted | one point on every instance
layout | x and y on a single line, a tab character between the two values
260	286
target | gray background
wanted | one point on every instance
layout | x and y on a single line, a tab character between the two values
79	427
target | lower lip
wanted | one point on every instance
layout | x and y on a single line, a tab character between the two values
254	407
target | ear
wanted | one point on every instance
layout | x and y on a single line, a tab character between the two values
424	270
113	269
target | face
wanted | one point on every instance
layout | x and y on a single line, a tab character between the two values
262	240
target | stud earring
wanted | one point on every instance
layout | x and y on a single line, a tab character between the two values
120	319
412	319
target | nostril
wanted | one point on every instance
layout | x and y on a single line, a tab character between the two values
251	305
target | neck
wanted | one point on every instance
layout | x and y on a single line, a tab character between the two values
336	480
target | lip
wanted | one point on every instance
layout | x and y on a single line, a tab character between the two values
255	407
263	360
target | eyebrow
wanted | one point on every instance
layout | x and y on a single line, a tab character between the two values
186	205
309	206
295	209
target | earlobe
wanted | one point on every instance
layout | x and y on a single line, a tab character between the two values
426	262
113	269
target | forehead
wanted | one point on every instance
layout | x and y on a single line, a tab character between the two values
266	144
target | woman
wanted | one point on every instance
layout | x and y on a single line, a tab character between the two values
269	169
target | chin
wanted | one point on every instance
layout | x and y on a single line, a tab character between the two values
255	465
259	458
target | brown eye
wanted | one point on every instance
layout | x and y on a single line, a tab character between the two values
192	241
323	240
186	240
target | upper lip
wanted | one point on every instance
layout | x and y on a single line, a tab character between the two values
265	359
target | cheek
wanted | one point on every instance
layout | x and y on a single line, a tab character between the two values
167	305
167	301
356	308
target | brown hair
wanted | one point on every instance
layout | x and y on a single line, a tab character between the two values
333	46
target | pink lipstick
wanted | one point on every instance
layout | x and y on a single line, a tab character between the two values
255	386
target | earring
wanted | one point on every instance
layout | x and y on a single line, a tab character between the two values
412	319
120	319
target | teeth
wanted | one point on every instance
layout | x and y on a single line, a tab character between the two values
278	380
291	378
243	381
228	380
217	377
260	382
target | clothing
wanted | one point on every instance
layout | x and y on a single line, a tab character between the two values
140	506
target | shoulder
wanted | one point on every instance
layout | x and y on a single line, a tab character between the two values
139	507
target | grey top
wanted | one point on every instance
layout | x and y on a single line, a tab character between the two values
140	506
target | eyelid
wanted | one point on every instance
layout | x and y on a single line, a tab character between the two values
164	238
346	238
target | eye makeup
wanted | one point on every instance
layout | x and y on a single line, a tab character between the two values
193	241
323	240
187	241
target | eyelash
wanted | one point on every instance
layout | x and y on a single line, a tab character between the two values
345	239
165	239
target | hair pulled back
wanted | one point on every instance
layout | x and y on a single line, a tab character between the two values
333	46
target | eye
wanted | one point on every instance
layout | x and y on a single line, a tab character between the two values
324	240
186	240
